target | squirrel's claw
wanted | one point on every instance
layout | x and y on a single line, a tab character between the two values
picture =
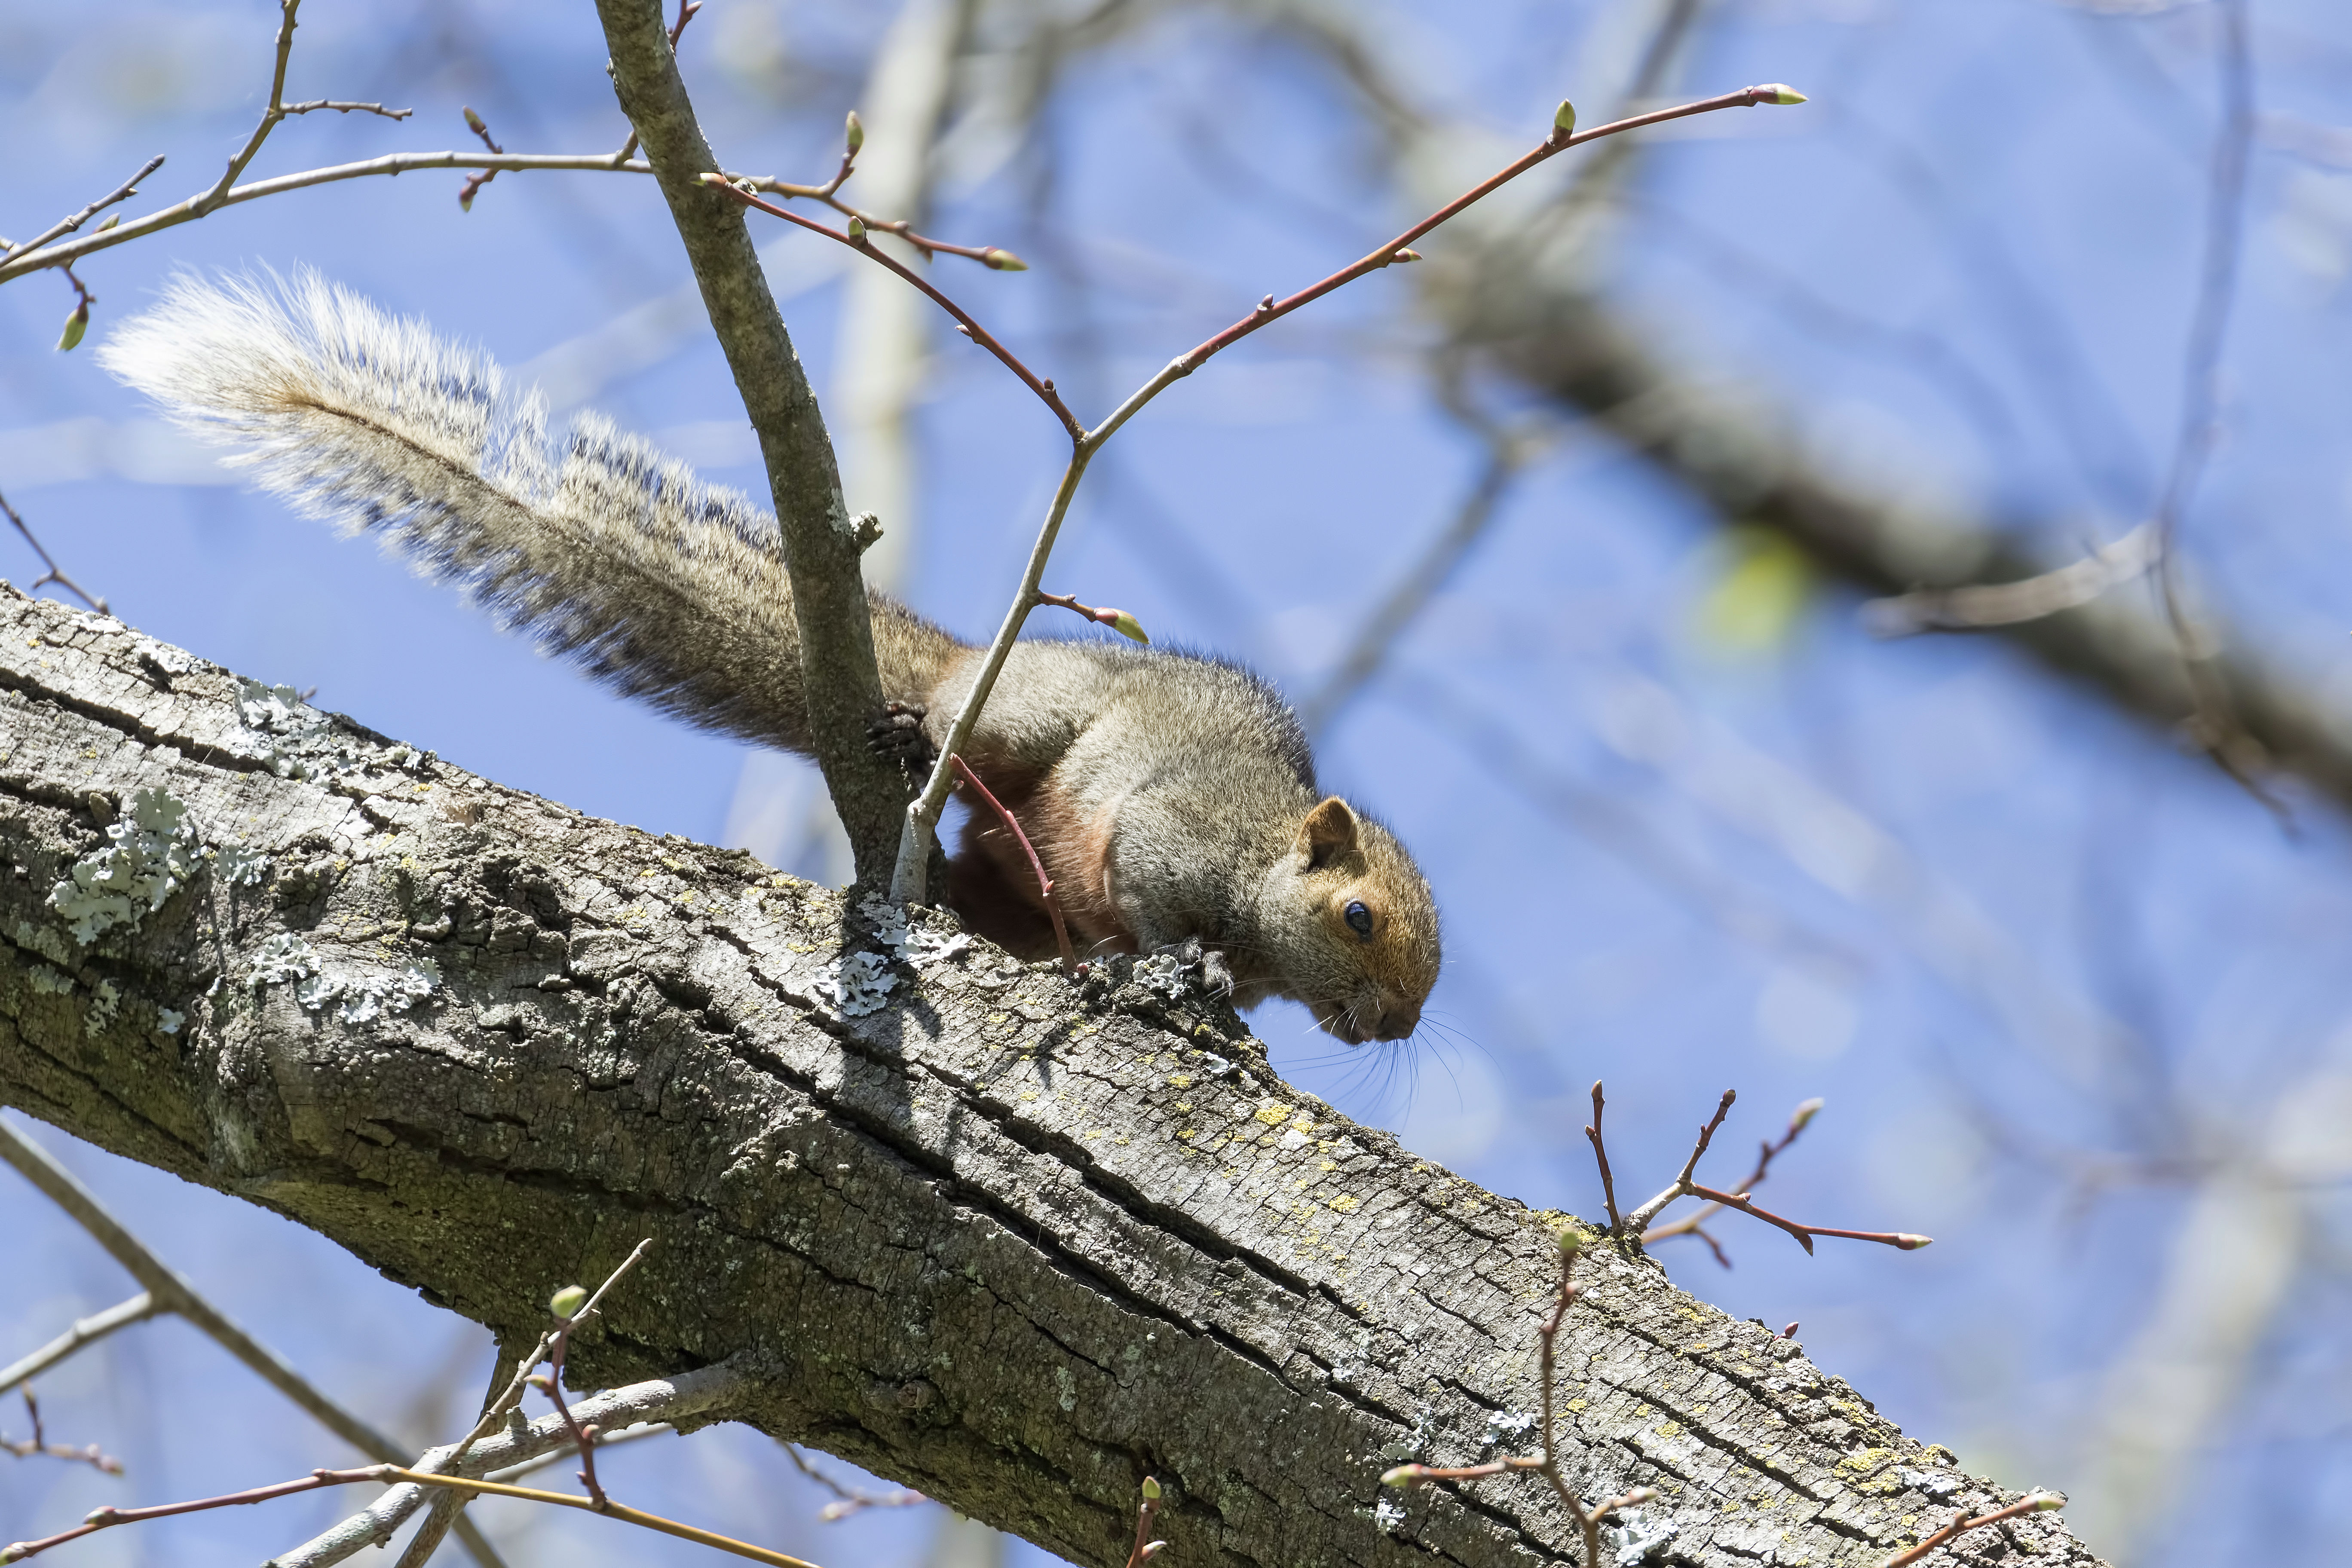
899	735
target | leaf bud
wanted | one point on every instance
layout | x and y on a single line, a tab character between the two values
76	325
1003	260
1563	119
1406	255
1910	1243
856	231
567	1301
1804	1114
1152	1549
474	122
111	219
1571	1240
1403	1475
1640	1495
1780	92
855	133
1151	1489
1126	625
2048	1502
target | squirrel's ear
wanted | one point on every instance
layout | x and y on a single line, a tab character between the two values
1328	832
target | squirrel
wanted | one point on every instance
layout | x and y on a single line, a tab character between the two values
1172	798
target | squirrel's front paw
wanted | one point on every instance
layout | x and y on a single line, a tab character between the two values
1216	975
899	735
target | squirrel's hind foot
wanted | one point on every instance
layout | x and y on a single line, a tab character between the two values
899	735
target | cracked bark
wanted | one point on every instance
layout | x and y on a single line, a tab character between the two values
1004	1240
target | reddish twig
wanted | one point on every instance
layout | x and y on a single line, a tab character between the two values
907	880
1044	883
106	1518
582	1437
1546	1464
475	182
2032	1502
279	110
63	227
1119	621
744	191
1691	1225
1805	1232
39	1444
1685	1185
848	1499
1601	1153
1272	309
1145	1548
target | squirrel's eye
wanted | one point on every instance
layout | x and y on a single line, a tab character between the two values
1359	919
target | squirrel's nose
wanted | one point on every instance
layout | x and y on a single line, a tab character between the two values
1398	1020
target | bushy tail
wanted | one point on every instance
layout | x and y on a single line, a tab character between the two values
659	585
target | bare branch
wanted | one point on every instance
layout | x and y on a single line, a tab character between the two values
1976	606
38	1167
907	880
122	192
821	548
53	575
86	1332
389	164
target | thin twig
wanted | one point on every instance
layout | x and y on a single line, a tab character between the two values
1639	1220
1685	1185
475	182
86	1332
1546	1464
1690	1225
847	1500
1601	1154
122	192
53	575
188	211
909	877
38	1167
2213	723
38	1445
108	1517
1044	883
1145	1547
1043	388
2032	1502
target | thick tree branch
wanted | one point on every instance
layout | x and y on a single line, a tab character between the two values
821	545
1010	1243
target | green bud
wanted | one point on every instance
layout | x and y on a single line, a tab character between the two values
1571	1240
1640	1495
567	1301
1003	260
474	122
76	325
1909	1243
2048	1502
111	219
1403	1475
1781	92
856	133
1127	625
1405	255
1563	119
1804	1114
1151	1489
856	231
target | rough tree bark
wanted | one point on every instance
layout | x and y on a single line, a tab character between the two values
1010	1241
